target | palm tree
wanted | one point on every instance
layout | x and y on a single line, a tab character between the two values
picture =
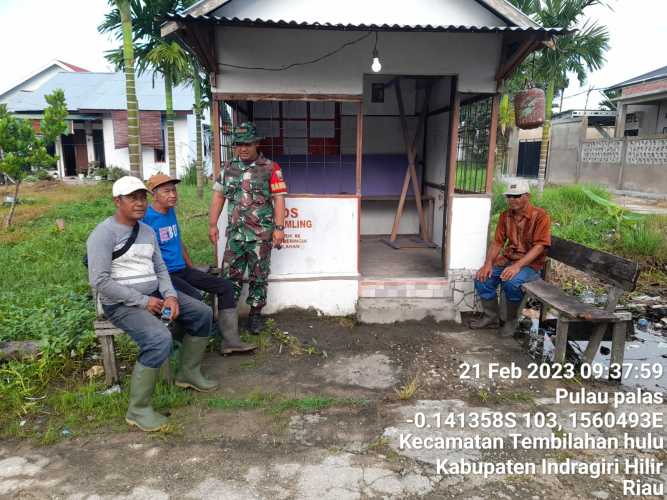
171	60
147	17
199	85
579	51
123	20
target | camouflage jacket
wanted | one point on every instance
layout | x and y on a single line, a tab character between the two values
246	187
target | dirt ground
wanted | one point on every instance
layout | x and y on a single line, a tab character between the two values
347	451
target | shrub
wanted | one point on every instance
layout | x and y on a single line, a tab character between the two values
43	175
30	178
190	176
643	241
102	172
115	173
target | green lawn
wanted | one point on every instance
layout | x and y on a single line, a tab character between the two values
45	293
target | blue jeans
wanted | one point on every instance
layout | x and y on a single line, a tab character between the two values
151	334
512	288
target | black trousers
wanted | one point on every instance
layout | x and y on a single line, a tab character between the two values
190	281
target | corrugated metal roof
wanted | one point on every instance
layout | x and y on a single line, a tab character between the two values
656	74
103	91
280	23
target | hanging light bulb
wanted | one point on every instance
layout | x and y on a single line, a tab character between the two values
376	66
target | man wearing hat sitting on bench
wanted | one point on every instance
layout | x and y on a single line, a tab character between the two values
516	256
161	216
127	270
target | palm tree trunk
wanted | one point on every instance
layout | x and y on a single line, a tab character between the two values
171	140
133	137
199	165
546	133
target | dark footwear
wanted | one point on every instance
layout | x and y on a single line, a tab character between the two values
228	326
508	329
490	317
140	413
189	373
256	323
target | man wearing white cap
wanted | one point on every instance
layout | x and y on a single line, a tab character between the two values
516	256
126	268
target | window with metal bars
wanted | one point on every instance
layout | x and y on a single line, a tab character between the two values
473	145
306	138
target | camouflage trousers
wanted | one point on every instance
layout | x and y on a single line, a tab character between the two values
255	256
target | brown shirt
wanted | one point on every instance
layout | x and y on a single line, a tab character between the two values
519	232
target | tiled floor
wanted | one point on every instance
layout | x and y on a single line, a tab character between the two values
379	260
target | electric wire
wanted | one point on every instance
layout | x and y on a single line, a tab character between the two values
303	63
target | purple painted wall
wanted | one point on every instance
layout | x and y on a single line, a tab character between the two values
381	175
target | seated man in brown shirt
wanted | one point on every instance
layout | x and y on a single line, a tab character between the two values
516	256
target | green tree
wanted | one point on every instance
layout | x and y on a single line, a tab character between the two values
21	150
147	17
580	50
171	60
608	101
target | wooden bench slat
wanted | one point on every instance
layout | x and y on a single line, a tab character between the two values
566	304
608	267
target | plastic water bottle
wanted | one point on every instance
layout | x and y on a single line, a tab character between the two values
534	327
166	315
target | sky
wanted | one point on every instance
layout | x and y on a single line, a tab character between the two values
34	32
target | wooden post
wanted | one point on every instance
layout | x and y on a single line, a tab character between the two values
360	147
451	172
490	165
411	172
561	339
613	294
215	128
618	348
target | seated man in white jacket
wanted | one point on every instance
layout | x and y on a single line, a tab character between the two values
127	270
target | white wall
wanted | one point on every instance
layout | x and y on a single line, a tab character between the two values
470	226
377	217
318	266
121	158
472	56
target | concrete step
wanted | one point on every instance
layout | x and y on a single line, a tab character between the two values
390	310
418	288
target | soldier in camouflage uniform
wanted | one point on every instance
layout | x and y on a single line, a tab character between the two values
255	189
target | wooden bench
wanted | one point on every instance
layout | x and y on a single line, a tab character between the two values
619	274
106	334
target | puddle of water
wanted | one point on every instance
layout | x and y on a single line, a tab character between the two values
648	346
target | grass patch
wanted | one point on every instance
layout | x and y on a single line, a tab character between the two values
576	216
408	390
277	404
45	297
85	409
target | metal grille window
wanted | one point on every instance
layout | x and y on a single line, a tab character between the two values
312	141
473	145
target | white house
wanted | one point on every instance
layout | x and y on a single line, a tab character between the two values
98	120
382	114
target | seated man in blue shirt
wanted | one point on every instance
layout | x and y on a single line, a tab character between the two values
161	216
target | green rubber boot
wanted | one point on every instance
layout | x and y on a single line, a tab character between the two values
228	325
189	373
140	413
